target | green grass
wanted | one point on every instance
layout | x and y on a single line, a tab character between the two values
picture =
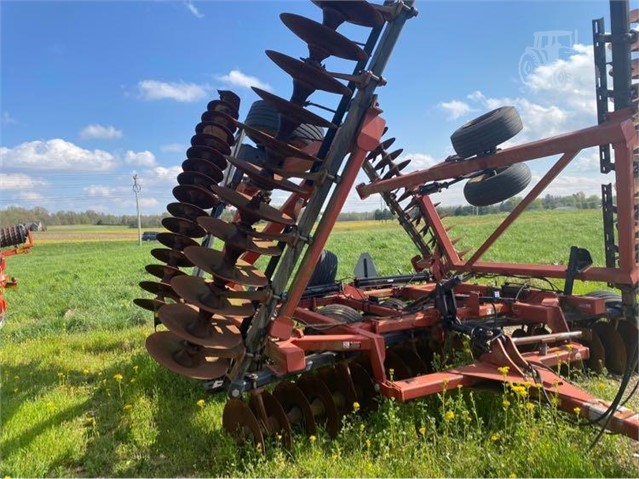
80	396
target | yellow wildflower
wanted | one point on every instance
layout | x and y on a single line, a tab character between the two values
570	346
577	410
85	372
355	406
505	403
495	437
503	370
530	406
422	430
200	402
118	377
449	416
520	391
368	443
361	427
60	374
312	438
128	406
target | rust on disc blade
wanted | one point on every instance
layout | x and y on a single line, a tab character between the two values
163	271
261	176
239	421
231	234
280	147
208	154
223	106
629	334
341	388
614	346
211	141
176	241
185	210
357	12
321	401
195	195
243	203
184	227
221	340
230	97
149	304
597	358
185	359
275	421
296	406
199	292
195	178
219	118
171	257
310	75
205	167
215	129
322	41
158	288
364	387
293	111
213	262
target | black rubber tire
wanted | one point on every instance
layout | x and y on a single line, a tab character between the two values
265	118
486	132
490	189
612	300
341	313
325	270
251	154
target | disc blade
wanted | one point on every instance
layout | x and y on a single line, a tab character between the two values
195	195
163	271
263	178
357	12
292	111
296	406
364	387
215	129
244	204
269	412
239	421
205	167
280	147
199	292
321	401
171	257
210	141
183	227
614	346
208	154
176	241
149	304
195	178
185	210
213	262
229	233
158	288
219	118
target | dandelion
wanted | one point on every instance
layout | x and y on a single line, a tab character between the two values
355	406
127	407
530	406
505	403
85	372
503	370
312	438
200	403
577	410
449	416
512	475
495	437
422	430
118	377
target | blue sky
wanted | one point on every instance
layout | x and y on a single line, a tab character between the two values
95	91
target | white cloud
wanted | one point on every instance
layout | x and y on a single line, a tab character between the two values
142	158
8	119
31	196
173	148
178	91
160	176
239	79
419	161
193	9
455	108
19	181
148	203
104	191
56	154
100	132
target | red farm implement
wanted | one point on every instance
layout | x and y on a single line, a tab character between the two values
13	240
326	345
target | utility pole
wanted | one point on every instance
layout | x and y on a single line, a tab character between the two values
136	190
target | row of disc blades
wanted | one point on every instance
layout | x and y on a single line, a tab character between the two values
203	316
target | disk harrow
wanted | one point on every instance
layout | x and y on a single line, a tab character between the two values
13	240
326	347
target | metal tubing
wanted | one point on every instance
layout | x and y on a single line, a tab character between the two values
530	197
621	63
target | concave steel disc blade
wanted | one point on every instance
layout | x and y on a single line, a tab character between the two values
171	257
177	355
364	387
208	154
213	262
321	401
230	97
221	340
205	167
243	203
312	76
185	210
219	118
322	41
149	304
176	241
614	346
341	387
163	271
387	158
195	178
261	177
296	406
231	234
293	111
284	149
357	12
198	291
384	145
396	169
269	412
399	368
184	227
215	129
195	195
239	421
223	106
158	288
597	359
629	334
211	141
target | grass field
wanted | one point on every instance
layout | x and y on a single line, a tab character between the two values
80	396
